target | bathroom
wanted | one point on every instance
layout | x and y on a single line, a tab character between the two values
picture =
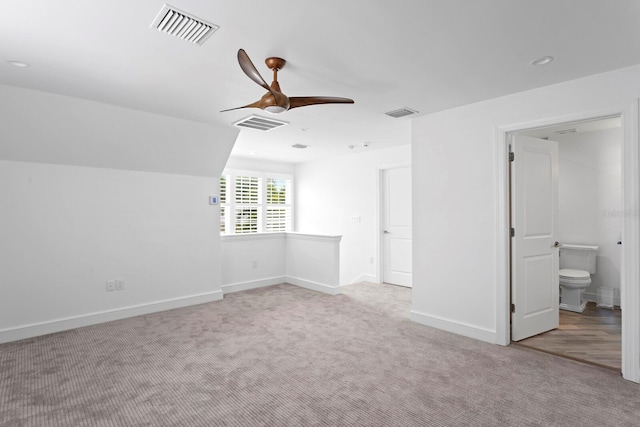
589	213
590	197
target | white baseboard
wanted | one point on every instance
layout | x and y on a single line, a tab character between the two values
453	326
296	281
314	286
590	296
63	324
365	278
252	284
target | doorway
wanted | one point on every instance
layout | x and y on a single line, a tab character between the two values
629	251
588	204
396	226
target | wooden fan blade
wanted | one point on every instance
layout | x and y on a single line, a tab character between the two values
257	104
302	101
250	69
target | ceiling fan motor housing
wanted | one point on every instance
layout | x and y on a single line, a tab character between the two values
275	63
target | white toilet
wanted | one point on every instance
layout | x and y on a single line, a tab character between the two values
577	264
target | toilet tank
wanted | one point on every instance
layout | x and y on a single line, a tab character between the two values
578	257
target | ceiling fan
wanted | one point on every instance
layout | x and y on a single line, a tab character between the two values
274	101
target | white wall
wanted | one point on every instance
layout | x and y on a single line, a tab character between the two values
68	228
45	127
590	199
252	260
262	259
259	165
313	262
455	194
330	192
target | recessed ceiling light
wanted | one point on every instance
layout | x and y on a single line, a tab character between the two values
18	64
543	60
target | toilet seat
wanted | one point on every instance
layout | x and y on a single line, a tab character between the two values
574	274
574	277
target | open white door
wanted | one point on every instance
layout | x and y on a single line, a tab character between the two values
534	246
396	240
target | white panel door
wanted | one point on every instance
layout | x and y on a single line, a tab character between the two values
534	256
397	268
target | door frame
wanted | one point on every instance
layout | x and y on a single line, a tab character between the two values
630	255
379	267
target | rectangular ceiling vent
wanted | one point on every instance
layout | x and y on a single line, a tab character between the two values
183	25
566	131
259	123
402	112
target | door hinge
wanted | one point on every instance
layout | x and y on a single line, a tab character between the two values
513	308
512	157
512	232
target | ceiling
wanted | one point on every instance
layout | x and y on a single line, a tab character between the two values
428	55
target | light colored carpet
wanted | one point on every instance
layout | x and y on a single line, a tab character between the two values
286	356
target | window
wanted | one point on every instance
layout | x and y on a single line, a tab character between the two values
223	201
278	204
246	195
254	202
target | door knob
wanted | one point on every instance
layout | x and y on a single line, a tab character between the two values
557	244
386	232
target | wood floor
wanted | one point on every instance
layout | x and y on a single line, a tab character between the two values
594	336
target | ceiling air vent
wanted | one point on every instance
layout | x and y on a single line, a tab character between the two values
260	123
402	112
183	25
566	131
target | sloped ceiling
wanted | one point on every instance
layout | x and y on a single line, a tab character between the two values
427	55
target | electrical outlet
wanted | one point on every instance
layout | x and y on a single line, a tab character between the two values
119	284
370	260
254	264
111	286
